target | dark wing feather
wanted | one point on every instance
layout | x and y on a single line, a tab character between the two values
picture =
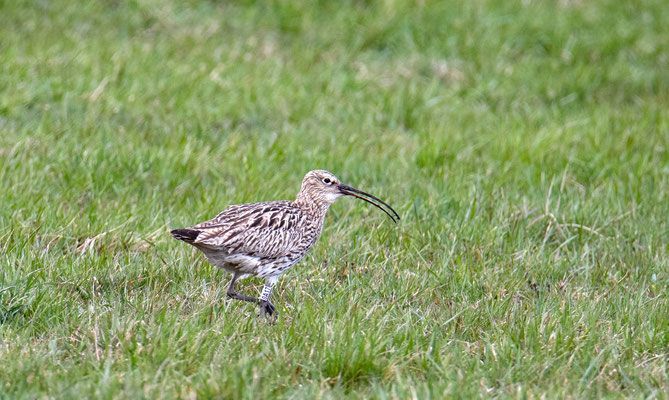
272	229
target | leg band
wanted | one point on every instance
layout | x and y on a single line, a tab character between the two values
266	291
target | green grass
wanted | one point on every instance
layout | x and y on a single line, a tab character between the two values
525	144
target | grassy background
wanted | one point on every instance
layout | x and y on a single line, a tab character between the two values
525	145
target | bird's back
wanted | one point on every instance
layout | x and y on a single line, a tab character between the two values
275	233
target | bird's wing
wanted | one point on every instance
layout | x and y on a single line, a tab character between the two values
272	229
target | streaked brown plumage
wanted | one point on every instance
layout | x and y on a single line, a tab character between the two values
265	239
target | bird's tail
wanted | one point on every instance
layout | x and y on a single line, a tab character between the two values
187	235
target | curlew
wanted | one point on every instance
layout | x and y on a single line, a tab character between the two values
265	239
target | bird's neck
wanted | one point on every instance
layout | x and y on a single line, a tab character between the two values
313	204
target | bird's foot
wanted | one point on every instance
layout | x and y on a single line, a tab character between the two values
267	308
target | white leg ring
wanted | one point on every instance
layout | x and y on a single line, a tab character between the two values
266	291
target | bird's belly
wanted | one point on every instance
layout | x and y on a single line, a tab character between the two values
275	267
246	264
233	263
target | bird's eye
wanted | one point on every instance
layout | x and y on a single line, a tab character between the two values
327	181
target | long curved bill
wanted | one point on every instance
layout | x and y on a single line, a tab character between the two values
350	191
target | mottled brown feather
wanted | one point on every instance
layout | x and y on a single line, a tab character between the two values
269	229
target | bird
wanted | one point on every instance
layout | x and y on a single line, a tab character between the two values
265	239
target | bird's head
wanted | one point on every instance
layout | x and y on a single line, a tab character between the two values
323	188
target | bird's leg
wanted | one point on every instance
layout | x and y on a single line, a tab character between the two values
267	307
234	295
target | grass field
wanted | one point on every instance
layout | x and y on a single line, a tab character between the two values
524	143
